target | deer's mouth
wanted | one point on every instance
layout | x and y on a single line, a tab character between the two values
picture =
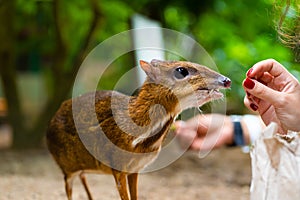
215	93
213	89
211	92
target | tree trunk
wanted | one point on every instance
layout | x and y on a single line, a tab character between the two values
8	72
23	136
63	80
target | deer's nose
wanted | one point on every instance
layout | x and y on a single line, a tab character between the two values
226	82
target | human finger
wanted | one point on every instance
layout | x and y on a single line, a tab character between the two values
261	91
209	142
266	78
271	66
250	104
185	135
199	123
252	98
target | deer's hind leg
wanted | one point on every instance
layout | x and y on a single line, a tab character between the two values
86	187
68	185
121	182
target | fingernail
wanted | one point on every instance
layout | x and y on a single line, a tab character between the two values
249	71
253	106
248	83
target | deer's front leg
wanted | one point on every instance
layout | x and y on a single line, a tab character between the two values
132	183
121	182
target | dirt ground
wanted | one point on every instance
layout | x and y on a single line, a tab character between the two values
223	174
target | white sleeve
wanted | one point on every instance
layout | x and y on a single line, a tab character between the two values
254	125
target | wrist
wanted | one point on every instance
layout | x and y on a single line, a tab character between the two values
252	127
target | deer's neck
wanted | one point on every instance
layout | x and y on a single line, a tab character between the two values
154	110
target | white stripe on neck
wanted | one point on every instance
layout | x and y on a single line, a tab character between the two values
153	129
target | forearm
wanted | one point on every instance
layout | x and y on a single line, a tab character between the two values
251	127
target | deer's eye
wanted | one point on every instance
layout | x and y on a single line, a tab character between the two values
181	72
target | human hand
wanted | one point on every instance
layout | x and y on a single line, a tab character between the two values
274	93
205	132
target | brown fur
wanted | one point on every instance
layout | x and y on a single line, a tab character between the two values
81	142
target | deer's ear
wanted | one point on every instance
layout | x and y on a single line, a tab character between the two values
151	71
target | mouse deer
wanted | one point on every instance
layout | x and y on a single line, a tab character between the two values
119	134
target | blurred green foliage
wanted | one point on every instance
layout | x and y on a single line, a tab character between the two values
51	38
235	33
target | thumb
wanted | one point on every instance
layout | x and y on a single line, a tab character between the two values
261	91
